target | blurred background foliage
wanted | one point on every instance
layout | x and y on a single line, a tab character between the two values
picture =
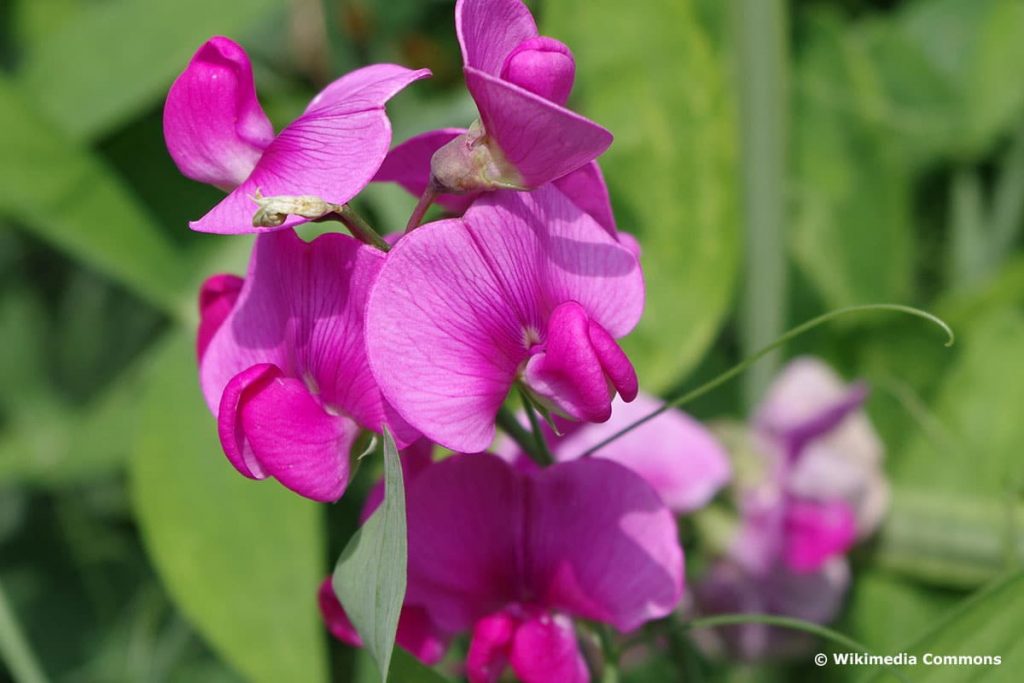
130	551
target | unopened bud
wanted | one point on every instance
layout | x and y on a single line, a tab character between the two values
543	66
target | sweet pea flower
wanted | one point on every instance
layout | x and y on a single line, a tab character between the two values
512	558
524	288
408	165
520	81
217	133
283	362
674	453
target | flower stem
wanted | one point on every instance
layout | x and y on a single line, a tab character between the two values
360	229
538	434
523	438
426	199
14	649
750	360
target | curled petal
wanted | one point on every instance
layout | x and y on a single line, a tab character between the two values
332	151
214	126
217	297
545	650
277	428
540	139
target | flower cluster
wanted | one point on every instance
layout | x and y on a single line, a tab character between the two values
812	488
523	287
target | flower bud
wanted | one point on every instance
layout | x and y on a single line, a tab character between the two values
543	66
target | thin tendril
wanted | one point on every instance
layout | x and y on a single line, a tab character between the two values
747	362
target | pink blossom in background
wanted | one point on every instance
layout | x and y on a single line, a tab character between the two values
822	489
217	133
674	453
520	82
408	164
524	287
286	371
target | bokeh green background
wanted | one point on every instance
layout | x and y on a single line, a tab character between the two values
129	549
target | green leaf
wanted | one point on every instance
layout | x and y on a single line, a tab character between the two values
120	56
851	231
242	559
988	623
909	608
72	199
407	669
369	578
652	76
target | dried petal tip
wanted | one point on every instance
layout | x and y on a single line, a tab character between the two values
542	65
274	211
471	163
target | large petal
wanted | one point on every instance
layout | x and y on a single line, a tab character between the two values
600	544
332	151
301	309
213	124
408	164
489	30
673	452
465	538
281	430
586	188
459	303
542	140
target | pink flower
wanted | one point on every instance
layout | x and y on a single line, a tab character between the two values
520	82
285	368
217	133
408	164
674	453
514	557
524	288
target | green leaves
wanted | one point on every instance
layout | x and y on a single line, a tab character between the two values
69	197
369	578
652	77
138	45
242	559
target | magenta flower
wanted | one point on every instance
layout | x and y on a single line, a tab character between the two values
408	164
674	453
524	288
217	133
285	369
512	558
520	82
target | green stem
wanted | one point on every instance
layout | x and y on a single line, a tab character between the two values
750	360
523	438
1008	201
360	229
968	231
762	57
609	655
14	649
538	433
420	210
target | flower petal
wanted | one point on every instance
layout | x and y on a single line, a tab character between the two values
301	309
541	139
214	126
545	650
332	151
490	646
816	532
489	30
465	538
673	453
278	424
408	164
217	296
451	315
586	188
601	544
